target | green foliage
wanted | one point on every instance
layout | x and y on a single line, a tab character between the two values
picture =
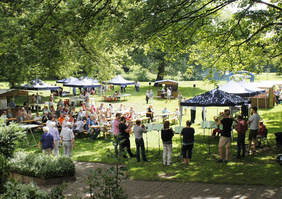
107	182
40	166
4	172
57	192
17	190
8	137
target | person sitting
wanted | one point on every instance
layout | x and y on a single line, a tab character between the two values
45	117
112	110
59	111
21	117
121	107
46	109
87	103
105	124
94	132
51	103
29	116
78	127
108	113
176	114
61	120
80	114
128	117
52	110
66	110
164	112
10	114
262	132
60	103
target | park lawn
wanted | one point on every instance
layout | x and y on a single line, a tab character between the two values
260	169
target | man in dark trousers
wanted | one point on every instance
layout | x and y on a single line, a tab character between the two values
124	131
242	127
224	140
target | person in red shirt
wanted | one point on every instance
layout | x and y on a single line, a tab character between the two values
241	129
262	130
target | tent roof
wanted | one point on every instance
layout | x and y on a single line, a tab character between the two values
66	80
264	85
83	82
38	84
251	87
166	81
11	92
119	80
233	87
215	97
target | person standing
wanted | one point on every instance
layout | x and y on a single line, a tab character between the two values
180	98
151	96
254	126
168	94
56	137
147	97
241	128
138	86
138	132
116	131
47	141
150	113
193	113
188	142
67	138
167	135
124	131
225	137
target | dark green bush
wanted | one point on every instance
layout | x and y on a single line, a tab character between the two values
16	190
4	172
8	137
40	166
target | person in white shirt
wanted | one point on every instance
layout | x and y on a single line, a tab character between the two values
67	138
254	126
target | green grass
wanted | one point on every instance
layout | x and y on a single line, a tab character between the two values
259	169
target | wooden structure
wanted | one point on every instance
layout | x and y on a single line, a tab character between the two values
266	100
167	83
6	96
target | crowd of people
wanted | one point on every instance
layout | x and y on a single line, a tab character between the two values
71	123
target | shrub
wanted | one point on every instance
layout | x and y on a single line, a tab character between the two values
8	137
4	172
15	190
40	166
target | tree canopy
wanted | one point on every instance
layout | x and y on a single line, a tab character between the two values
67	37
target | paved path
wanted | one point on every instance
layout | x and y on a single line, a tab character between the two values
173	190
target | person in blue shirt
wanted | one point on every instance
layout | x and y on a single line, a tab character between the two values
94	132
47	141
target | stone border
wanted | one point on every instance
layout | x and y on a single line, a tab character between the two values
41	182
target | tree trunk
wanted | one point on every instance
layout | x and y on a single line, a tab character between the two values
161	71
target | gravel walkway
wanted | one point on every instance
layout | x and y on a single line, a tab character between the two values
172	190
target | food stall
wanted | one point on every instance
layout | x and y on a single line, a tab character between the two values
167	83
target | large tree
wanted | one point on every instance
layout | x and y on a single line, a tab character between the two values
247	39
56	38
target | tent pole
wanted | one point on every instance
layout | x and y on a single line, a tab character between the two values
180	119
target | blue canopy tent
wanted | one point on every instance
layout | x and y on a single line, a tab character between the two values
66	80
84	83
120	81
38	84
